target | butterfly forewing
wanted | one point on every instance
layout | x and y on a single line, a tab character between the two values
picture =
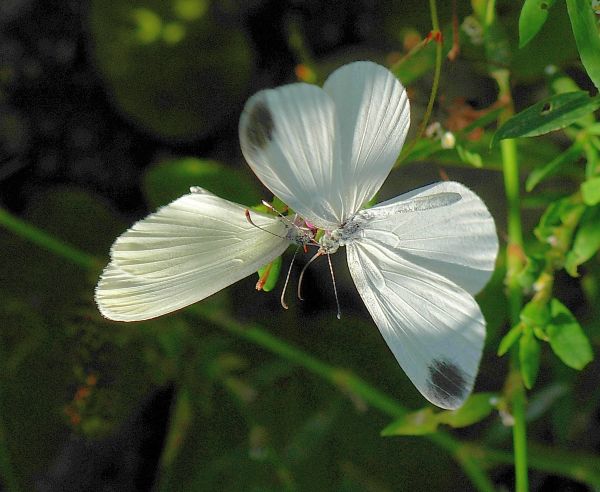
373	115
183	253
287	136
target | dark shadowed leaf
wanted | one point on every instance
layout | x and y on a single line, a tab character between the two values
569	156
548	115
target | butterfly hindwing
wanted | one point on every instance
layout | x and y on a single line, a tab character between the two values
434	328
444	228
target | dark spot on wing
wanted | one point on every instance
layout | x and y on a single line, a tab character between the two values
447	382
260	125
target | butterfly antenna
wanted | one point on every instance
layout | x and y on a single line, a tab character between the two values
249	219
317	254
287	279
337	301
273	209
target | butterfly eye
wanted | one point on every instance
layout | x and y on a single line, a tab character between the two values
259	130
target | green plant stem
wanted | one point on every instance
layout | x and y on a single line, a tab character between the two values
436	82
472	457
514	250
46	241
577	466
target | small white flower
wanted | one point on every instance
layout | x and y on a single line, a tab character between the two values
416	260
448	140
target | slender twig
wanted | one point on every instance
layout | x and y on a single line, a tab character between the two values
43	239
436	34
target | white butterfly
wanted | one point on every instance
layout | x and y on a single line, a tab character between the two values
416	260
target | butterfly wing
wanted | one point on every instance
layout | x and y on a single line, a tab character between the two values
325	152
444	228
416	262
434	328
373	115
183	253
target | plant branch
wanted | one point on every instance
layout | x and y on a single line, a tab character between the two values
436	35
46	241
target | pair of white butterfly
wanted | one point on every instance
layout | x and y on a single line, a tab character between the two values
416	260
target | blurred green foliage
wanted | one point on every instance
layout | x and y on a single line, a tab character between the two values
268	399
178	68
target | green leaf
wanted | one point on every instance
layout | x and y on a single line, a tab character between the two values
559	212
477	407
533	16
469	157
528	275
413	424
170	179
272	271
587	241
535	313
567	339
590	191
567	157
529	358
509	339
585	30
551	114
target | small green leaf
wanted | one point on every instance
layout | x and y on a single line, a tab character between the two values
272	271
567	339
413	424
533	16
540	173
587	241
558	213
590	191
476	408
529	358
469	157
535	313
170	179
551	114
528	275
585	30
509	339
